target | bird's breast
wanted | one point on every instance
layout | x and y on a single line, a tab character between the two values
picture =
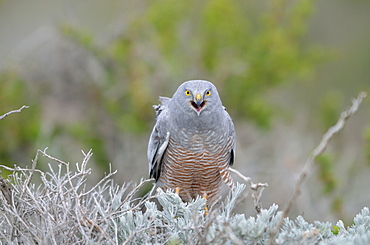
205	141
193	162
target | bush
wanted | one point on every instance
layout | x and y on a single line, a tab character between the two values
62	210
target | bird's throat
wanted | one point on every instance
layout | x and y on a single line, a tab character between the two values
198	106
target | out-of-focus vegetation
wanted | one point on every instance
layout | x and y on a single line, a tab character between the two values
329	180
244	54
244	48
18	134
367	145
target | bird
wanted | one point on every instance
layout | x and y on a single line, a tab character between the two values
192	144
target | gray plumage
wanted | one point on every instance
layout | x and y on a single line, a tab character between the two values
193	142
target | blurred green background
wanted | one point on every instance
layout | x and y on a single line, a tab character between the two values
91	70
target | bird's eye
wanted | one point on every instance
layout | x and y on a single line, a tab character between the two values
208	93
187	92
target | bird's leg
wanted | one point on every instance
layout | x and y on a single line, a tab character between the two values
177	190
206	210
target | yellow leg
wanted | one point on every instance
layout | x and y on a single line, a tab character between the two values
206	207
177	190
206	210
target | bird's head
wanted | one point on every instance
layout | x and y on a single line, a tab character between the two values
197	96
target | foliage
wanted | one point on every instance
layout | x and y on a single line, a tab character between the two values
329	108
244	48
326	173
18	137
367	146
61	210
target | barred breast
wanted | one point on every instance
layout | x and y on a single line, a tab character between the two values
200	167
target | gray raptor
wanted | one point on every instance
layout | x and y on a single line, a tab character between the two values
192	143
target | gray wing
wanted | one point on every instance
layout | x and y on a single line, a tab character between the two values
159	138
232	136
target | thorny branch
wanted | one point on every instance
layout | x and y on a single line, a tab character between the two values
316	152
14	111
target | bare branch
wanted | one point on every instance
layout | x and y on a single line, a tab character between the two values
52	158
18	169
5	189
104	179
131	194
316	152
257	189
14	111
34	163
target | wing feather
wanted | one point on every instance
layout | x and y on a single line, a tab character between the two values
233	137
158	140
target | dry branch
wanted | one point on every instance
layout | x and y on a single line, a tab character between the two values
317	152
14	111
5	189
257	189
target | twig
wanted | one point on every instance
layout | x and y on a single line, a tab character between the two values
316	152
106	177
14	111
95	227
257	189
131	194
18	169
134	191
27	182
5	190
50	157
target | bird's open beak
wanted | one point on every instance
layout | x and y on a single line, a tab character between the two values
198	100
198	103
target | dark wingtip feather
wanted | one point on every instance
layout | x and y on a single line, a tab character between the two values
231	158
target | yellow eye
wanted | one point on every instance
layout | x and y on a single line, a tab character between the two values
208	93
187	92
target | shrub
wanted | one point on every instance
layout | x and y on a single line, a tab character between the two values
61	209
